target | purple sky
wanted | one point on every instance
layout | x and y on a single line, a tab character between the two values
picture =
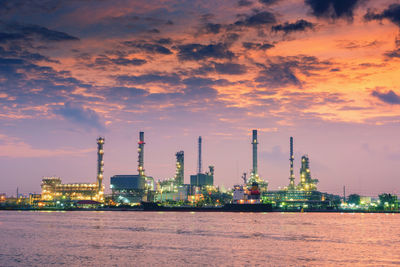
324	72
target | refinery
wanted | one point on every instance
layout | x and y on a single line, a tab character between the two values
142	192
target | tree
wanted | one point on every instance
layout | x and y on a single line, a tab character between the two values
354	199
387	201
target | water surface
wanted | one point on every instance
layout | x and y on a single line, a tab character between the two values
89	238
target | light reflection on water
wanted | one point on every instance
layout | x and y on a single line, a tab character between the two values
178	239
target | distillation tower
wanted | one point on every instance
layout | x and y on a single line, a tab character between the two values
306	182
291	177
254	172
141	154
199	160
100	166
179	175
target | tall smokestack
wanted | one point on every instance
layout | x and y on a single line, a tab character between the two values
100	164
255	163
141	154
291	178
199	163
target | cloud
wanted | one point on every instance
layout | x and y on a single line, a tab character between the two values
389	97
200	52
230	68
213	28
170	79
204	82
105	61
244	3
259	46
148	47
392	13
300	25
78	114
278	75
333	9
46	34
16	31
259	18
281	71
268	2
5	37
393	54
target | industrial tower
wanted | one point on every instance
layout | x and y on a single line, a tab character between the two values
100	166
254	177
306	182
291	178
179	175
254	172
141	154
199	163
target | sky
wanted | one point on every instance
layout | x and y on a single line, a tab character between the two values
323	71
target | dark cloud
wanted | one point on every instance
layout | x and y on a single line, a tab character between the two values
300	25
259	18
148	47
393	54
283	71
244	3
249	45
230	68
164	41
392	13
22	6
154	31
17	52
278	75
268	2
44	33
204	82
15	31
170	79
333	9
200	52
213	28
390	97
5	37
78	114
105	61
358	44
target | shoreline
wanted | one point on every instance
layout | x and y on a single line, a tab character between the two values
198	209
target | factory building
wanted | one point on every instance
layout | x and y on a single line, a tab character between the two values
202	179
54	190
133	188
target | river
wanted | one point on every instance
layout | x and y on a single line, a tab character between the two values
126	238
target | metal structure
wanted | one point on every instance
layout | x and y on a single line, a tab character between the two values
199	151
141	154
100	165
254	172
54	190
179	175
306	182
291	178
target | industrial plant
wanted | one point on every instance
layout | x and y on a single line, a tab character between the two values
141	190
55	192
